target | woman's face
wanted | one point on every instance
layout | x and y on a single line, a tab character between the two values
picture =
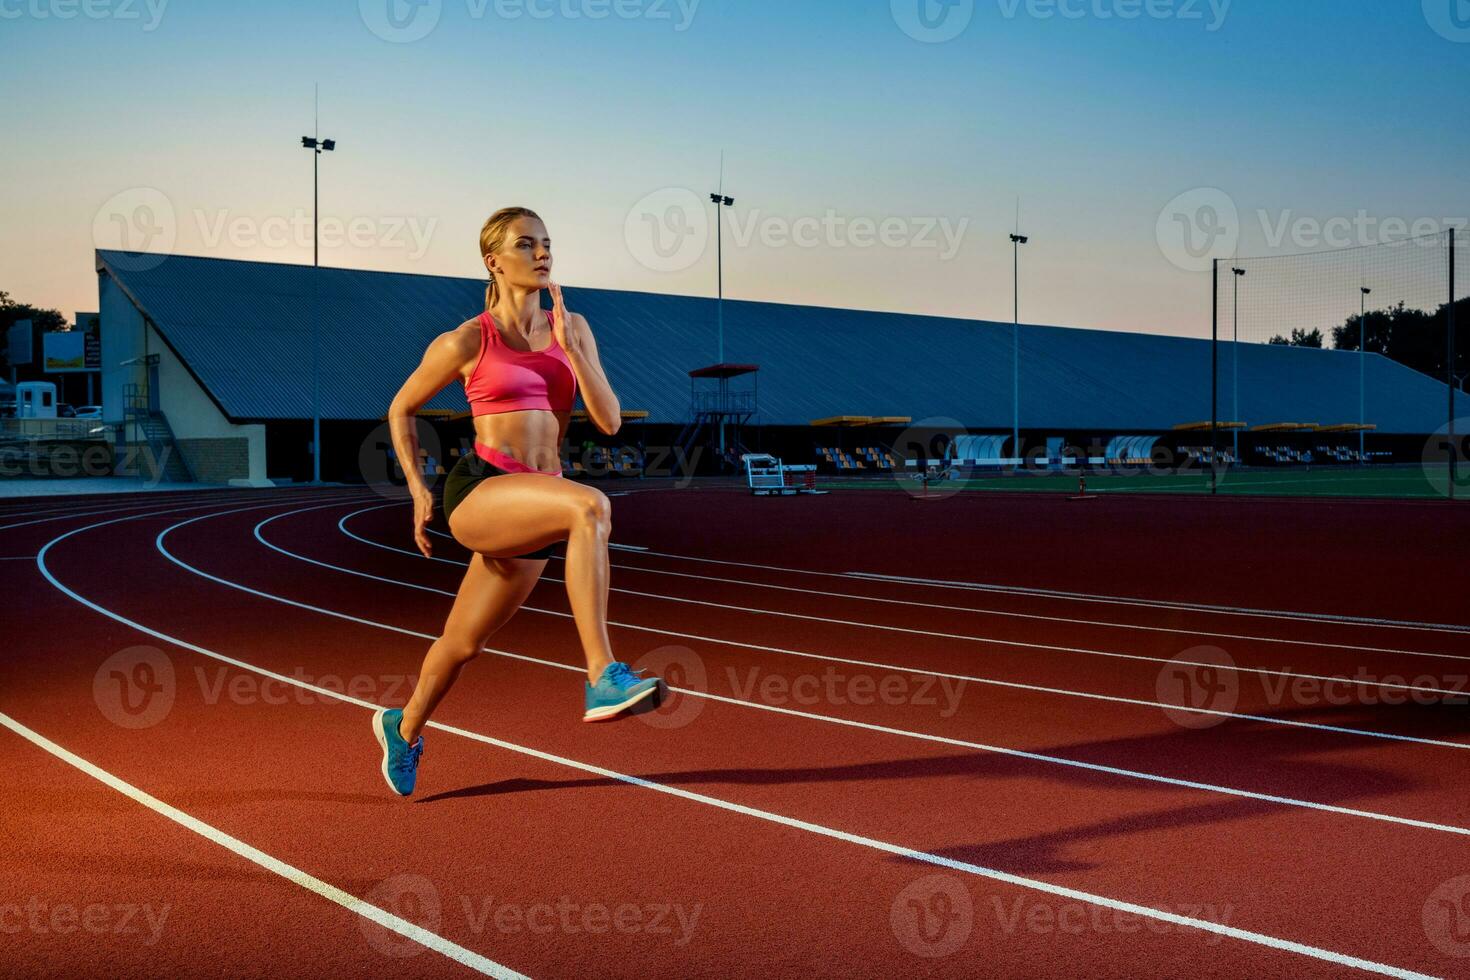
524	259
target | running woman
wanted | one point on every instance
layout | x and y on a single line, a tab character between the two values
507	503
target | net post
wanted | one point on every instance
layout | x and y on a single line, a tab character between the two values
1450	366
1215	375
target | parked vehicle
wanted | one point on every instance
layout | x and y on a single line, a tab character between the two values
89	412
65	411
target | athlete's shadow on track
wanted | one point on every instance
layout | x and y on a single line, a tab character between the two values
1246	755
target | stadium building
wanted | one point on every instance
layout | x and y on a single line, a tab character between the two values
216	355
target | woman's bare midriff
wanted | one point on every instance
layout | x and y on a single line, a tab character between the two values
532	437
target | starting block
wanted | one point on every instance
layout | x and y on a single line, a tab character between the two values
767	475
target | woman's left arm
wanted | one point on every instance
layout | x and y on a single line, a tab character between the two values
581	348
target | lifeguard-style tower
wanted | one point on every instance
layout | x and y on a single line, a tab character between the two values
717	406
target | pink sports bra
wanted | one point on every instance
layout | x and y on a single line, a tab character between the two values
509	380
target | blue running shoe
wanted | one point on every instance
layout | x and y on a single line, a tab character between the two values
400	760
618	689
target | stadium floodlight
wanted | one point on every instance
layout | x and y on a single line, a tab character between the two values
720	200
1364	293
1017	240
1235	362
317	146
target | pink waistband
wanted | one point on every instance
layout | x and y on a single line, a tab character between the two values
510	464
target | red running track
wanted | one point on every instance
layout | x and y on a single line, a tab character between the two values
858	776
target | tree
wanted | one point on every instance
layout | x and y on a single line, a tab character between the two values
1300	338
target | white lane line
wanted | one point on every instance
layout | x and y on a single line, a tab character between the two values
1006	613
909	669
1046	887
294	875
134	501
1334	618
793	712
1222	610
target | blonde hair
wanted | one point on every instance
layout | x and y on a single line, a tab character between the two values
492	239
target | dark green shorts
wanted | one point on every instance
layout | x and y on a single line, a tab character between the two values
464	477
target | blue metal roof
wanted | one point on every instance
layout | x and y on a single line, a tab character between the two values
244	328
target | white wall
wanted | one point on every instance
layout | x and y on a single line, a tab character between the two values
190	411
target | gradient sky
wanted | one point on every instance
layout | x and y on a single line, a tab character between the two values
186	117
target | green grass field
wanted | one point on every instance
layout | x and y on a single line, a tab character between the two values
1412	482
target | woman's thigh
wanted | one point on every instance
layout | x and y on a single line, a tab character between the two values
508	515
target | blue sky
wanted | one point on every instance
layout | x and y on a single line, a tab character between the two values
184	116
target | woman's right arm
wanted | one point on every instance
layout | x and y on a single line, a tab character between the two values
442	364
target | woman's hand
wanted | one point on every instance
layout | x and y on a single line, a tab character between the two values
423	513
560	324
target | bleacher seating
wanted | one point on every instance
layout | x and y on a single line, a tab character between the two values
864	459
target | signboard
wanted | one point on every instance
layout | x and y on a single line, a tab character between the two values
63	352
94	352
19	339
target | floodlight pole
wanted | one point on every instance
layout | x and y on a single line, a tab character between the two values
1235	363
317	146
720	201
1450	363
1362	371
1017	240
1214	374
